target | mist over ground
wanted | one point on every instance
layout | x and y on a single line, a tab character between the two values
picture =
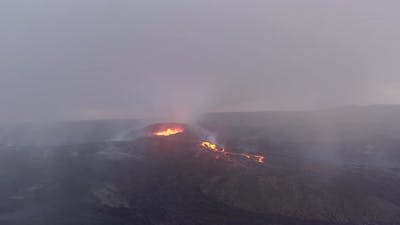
78	60
203	112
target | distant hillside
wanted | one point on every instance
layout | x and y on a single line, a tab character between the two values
351	132
63	133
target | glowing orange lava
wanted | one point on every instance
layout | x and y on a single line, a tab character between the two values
169	131
259	158
211	146
214	148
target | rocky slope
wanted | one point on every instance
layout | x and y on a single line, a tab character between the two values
165	181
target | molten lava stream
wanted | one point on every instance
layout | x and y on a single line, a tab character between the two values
214	148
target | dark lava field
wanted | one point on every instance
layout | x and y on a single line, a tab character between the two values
321	167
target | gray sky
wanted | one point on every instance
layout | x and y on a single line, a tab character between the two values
77	59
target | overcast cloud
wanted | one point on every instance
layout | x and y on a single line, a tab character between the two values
76	59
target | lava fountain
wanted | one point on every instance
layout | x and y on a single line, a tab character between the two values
211	146
167	131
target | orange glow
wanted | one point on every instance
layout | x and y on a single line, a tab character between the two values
259	158
211	146
206	145
169	131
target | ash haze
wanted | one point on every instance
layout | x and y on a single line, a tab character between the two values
73	60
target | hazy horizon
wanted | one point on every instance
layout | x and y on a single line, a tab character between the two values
78	60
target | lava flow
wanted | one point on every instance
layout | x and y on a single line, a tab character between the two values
211	146
167	131
206	145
